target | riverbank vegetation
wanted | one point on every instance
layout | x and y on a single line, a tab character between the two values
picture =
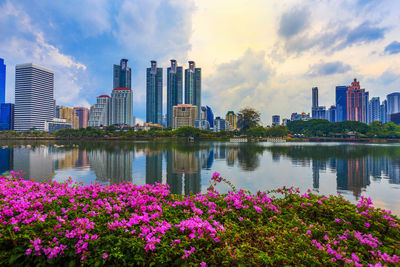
48	224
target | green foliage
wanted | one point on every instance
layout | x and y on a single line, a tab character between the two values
341	129
248	118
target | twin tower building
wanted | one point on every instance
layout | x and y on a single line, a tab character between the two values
117	109
154	90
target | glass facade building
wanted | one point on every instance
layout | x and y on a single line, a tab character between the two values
154	84
341	103
121	107
393	103
2	81
332	114
210	116
374	110
174	89
34	97
6	117
122	75
193	86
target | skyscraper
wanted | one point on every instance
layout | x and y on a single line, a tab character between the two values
83	115
121	107
276	119
356	102
210	116
374	107
6	116
99	112
314	106
69	115
174	89
383	112
122	75
341	103
2	81
332	114
154	83
231	118
184	115
34	96
193	86
393	103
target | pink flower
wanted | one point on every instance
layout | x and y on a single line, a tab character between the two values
367	225
16	228
105	255
28	251
203	264
240	218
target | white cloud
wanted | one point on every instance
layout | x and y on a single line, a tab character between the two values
28	44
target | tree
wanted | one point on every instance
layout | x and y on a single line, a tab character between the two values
248	118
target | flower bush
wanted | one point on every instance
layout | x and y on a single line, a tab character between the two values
124	224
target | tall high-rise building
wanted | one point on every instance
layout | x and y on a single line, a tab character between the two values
69	115
341	103
122	75
193	86
210	116
276	120
332	114
99	112
2	81
121	107
220	124
34	96
366	109
393	103
314	97
374	109
154	83
384	112
356	103
231	118
184	115
174	89
83	115
6	116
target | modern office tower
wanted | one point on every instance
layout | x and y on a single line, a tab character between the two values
332	114
154	83
220	124
393	103
6	116
232	120
341	103
366	109
374	109
320	113
69	115
83	116
34	97
174	89
276	120
384	112
121	107
122	75
202	124
314	106
99	112
356	105
193	86
2	81
184	115
210	116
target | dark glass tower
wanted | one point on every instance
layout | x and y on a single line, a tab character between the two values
122	75
341	103
174	89
193	86
154	83
2	81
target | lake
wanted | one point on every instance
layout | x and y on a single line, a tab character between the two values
371	170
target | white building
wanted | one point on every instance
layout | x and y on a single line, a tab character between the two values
221	124
34	97
121	107
99	112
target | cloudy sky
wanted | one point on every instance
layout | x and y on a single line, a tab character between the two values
263	54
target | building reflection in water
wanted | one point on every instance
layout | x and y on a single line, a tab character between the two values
115	166
153	167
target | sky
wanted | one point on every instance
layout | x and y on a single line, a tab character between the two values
261	54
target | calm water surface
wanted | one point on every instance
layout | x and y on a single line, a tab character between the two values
326	168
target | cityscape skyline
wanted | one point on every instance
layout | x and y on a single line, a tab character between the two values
268	60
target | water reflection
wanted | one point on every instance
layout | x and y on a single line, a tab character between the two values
186	167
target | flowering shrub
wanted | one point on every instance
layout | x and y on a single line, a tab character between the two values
124	224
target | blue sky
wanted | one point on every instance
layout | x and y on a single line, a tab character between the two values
264	54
